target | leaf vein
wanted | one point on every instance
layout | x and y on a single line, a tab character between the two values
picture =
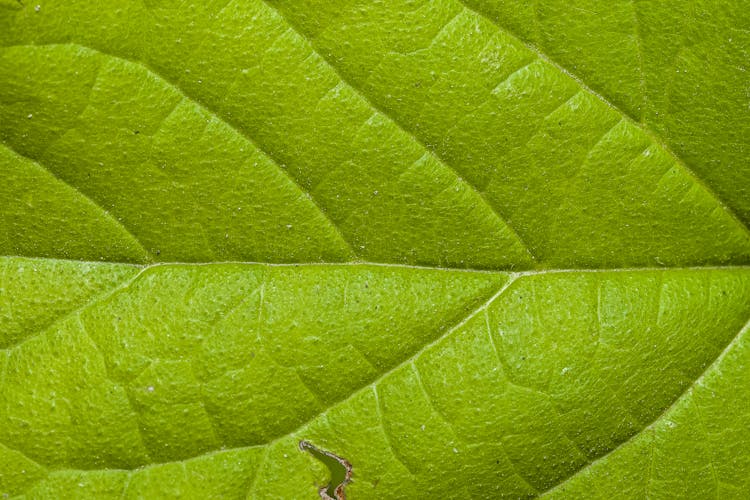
209	110
92	300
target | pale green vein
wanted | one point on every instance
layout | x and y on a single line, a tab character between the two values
404	128
682	397
647	130
149	466
656	138
388	265
208	110
128	233
261	464
386	435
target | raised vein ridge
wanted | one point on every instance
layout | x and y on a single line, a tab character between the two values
497	293
128	233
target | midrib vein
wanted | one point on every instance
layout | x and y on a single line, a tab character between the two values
514	276
388	265
650	133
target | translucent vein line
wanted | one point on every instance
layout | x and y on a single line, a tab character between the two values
404	129
679	399
148	255
210	111
632	120
357	263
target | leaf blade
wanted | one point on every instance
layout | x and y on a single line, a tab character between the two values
689	339
558	222
321	201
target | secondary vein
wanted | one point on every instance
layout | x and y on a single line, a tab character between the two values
658	140
403	127
88	199
679	399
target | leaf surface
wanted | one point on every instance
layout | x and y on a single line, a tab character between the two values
465	248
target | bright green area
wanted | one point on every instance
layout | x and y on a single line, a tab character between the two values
477	249
416	376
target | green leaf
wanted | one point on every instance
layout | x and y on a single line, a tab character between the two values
428	249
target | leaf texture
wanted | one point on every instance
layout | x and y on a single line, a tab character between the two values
525	378
473	248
